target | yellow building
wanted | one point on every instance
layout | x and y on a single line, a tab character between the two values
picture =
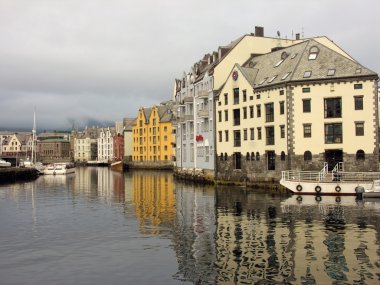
153	138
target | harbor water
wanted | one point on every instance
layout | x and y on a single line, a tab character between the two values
98	226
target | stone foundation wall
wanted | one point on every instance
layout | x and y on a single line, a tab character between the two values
164	165
195	174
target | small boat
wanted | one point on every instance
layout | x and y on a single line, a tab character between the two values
4	163
336	182
117	166
37	165
60	168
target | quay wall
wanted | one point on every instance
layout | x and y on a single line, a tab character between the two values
13	174
157	165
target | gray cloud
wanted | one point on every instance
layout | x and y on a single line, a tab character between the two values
99	61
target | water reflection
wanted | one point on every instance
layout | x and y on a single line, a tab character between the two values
216	235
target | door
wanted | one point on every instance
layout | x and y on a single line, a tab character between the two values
332	157
271	160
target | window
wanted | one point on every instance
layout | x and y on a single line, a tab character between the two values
252	155
245	113
282	92
282	131
307	74
252	131
237	160
219	116
333	133
225	99
272	78
226	115
358	86
358	102
258	111
306	90
221	156
306	105
244	95
257	156
307	156
245	134
220	136
283	78
359	128
282	155
236	96
236	117
331	72
225	156
333	107
226	135
282	109
251	111
250	98
313	53
269	135
269	112
237	138
278	63
307	130
360	155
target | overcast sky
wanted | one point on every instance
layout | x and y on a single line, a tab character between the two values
96	61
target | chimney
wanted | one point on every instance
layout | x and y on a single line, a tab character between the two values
259	31
297	36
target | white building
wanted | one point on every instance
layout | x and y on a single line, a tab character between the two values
105	144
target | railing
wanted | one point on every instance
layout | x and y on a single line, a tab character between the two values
323	172
294	175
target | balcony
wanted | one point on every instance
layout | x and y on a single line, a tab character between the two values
188	99
189	117
203	113
203	94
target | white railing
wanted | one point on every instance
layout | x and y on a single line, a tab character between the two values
323	172
293	175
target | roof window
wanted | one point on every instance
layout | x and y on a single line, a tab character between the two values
278	63
293	55
307	74
262	81
272	78
358	70
285	76
331	72
313	52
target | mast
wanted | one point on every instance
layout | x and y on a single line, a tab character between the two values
33	136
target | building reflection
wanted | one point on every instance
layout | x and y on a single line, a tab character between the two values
154	200
232	236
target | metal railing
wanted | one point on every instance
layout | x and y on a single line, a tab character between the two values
294	175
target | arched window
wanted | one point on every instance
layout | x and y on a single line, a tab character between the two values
282	155
252	155
221	156
307	156
360	155
248	156
257	156
313	52
225	156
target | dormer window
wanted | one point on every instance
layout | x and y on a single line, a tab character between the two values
307	74
358	70
313	52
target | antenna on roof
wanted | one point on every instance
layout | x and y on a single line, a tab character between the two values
278	33
279	40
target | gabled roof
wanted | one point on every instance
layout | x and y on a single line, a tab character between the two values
291	63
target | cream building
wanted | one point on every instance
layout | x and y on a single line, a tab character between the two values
128	138
296	108
196	90
105	144
85	145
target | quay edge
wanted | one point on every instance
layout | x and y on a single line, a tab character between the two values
14	174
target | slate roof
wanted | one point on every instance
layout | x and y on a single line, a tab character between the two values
268	69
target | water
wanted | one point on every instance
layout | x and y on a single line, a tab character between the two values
104	227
